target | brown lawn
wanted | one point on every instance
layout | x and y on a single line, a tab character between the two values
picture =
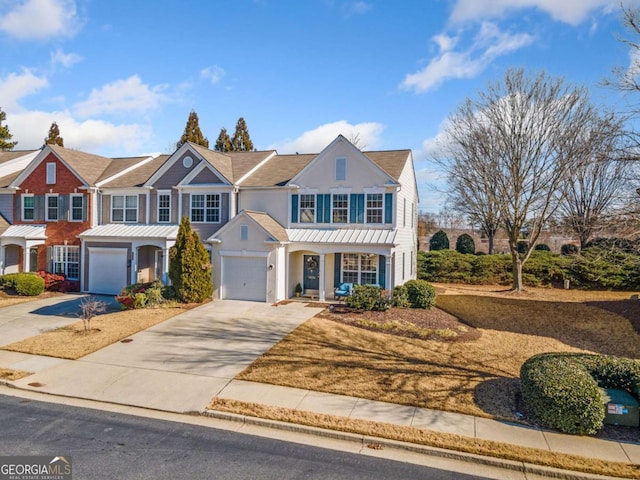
7	299
478	377
72	342
9	374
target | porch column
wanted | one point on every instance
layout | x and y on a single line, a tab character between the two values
134	265
2	255
165	266
388	272
321	279
26	257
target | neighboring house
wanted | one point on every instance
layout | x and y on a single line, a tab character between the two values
270	221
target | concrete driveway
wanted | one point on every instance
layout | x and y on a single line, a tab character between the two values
180	364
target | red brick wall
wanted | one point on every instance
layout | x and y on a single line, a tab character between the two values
66	183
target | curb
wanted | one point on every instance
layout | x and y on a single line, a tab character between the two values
364	440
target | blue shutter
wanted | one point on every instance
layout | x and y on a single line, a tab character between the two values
356	208
294	208
327	208
382	270
336	269
319	208
388	208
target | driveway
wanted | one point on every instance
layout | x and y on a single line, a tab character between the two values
180	364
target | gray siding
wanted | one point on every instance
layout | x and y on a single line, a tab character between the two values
6	206
206	176
175	174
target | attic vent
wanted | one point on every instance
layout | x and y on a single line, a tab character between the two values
187	162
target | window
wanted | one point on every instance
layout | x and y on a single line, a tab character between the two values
361	268
124	208
307	208
164	207
66	261
51	173
374	208
52	208
340	208
341	169
77	207
28	207
244	232
205	208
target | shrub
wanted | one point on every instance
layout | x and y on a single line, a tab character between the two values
522	246
27	284
142	295
439	241
52	281
400	297
569	249
367	297
421	294
465	244
561	389
542	247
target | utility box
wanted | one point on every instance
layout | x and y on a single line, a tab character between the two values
620	407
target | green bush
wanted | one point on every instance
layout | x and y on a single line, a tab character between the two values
421	294
439	241
522	246
142	295
367	297
561	389
465	244
542	247
27	284
400	297
569	249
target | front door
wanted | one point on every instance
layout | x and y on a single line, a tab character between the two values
312	272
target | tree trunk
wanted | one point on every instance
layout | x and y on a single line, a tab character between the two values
491	238
517	273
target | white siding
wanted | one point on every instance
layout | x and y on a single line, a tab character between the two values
406	236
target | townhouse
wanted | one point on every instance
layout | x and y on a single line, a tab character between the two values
270	221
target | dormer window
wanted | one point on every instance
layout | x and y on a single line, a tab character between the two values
51	173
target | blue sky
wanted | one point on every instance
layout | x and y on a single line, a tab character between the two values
120	77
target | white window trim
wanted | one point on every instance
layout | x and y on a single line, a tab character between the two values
124	208
71	197
163	192
65	262
46	207
366	209
51	173
338	159
219	208
346	222
360	255
244	233
315	208
23	196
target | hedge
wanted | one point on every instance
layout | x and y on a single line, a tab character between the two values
27	284
561	390
420	294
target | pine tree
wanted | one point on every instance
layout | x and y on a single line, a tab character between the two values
54	137
223	143
465	244
192	132
189	266
439	241
241	142
5	135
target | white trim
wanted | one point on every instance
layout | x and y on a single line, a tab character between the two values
335	167
71	197
273	154
125	171
124	208
51	173
47	196
204	208
22	197
346	222
159	193
198	169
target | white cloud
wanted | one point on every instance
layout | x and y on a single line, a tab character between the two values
39	19
213	73
30	130
313	141
572	12
445	42
65	59
488	44
18	85
129	95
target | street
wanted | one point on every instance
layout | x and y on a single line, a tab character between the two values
106	445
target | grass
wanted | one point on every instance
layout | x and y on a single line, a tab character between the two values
430	438
72	342
476	378
7	300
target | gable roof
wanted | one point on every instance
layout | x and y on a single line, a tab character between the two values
391	161
137	177
278	170
87	166
263	220
8	155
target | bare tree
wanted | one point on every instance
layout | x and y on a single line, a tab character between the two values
516	144
600	178
89	308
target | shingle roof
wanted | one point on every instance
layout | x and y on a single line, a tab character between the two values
139	175
118	165
87	165
243	162
8	179
4	224
272	227
391	161
6	156
220	161
278	170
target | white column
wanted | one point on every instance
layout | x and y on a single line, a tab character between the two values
134	265
26	257
165	266
2	255
388	266
321	279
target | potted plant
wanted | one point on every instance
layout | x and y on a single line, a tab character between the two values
298	289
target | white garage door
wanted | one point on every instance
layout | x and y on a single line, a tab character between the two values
244	278
107	270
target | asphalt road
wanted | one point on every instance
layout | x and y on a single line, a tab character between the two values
105	445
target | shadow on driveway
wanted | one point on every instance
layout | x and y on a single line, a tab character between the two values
71	308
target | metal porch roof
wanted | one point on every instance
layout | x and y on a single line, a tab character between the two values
28	232
132	231
342	235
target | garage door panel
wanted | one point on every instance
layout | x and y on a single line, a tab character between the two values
107	270
244	278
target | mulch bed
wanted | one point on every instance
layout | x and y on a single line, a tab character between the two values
433	319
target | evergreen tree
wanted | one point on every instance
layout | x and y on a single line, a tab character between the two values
189	266
241	142
192	132
439	241
54	137
223	143
5	135
465	244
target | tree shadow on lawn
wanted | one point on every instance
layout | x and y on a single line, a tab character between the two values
629	309
585	326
